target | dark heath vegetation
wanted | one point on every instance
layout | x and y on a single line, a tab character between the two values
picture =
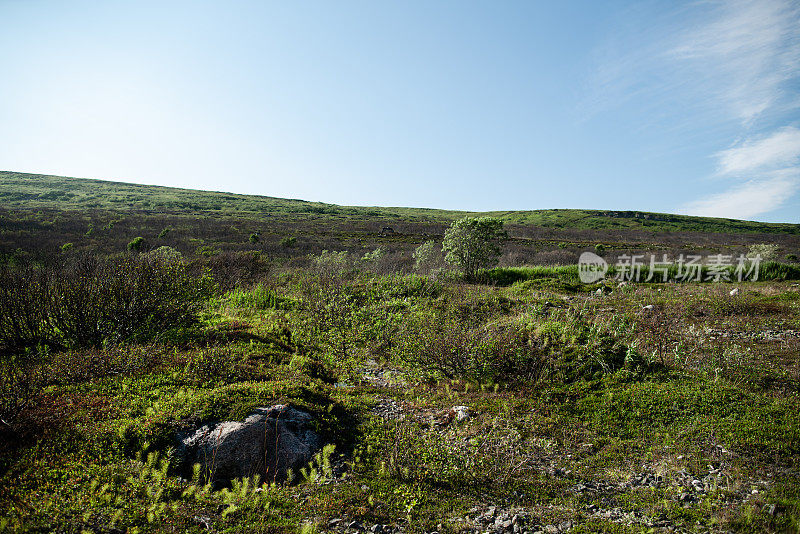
454	374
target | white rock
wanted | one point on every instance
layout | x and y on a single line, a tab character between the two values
734	292
649	307
459	413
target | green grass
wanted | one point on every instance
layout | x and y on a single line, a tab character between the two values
626	392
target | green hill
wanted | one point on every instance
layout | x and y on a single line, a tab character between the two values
36	191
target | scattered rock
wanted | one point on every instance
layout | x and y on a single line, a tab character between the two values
459	413
649	307
268	442
389	409
734	292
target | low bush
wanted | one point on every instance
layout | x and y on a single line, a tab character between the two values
448	345
89	301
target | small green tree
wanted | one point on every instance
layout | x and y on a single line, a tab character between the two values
136	244
254	238
288	242
473	243
599	249
66	247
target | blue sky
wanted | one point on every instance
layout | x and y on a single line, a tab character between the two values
629	105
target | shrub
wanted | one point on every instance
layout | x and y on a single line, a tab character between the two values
473	243
206	250
792	258
427	257
767	251
288	242
331	263
88	301
165	255
136	244
599	249
449	345
21	379
253	238
66	247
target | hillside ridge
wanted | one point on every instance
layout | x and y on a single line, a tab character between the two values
26	190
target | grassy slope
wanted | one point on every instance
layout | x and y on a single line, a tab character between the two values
541	444
21	190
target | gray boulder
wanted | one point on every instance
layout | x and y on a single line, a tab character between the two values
267	443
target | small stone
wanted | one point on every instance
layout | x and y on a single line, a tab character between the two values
376	528
649	307
734	292
459	413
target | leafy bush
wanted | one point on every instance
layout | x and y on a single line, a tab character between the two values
767	251
165	255
288	242
452	346
473	243
21	378
136	243
89	301
331	263
427	257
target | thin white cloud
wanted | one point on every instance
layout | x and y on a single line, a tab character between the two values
780	149
747	200
722	59
746	53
